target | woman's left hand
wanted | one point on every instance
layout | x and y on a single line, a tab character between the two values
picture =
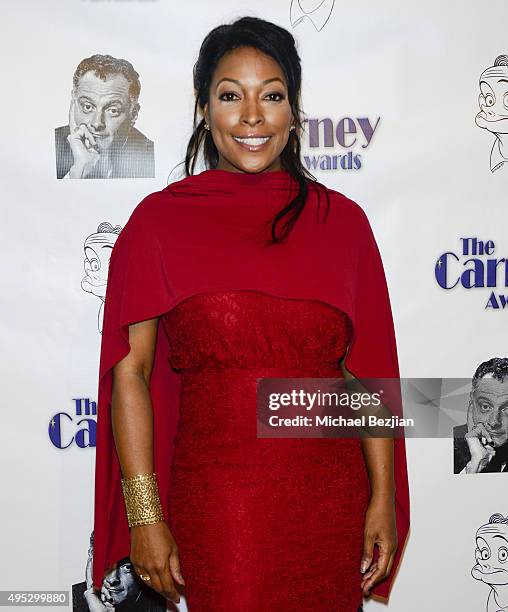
380	529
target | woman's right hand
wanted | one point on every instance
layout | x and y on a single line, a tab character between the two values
154	552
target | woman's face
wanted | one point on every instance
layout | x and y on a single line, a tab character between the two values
248	99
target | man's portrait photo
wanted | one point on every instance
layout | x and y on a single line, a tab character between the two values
100	140
481	444
122	590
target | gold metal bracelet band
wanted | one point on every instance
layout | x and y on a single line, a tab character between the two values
142	500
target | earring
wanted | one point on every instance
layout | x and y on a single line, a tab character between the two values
207	127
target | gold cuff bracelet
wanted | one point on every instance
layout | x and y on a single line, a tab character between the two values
142	500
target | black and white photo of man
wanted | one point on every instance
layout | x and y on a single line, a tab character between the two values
122	591
100	140
481	444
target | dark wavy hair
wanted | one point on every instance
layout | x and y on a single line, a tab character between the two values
279	44
497	366
107	65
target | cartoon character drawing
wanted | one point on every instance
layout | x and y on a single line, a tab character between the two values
491	556
493	116
318	12
98	247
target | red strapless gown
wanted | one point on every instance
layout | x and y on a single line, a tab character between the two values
261	524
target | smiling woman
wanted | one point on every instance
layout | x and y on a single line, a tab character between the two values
247	83
250	113
239	522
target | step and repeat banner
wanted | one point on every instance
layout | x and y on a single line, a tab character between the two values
406	108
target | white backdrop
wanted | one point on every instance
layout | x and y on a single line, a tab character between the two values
425	181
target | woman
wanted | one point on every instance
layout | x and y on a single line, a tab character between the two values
202	301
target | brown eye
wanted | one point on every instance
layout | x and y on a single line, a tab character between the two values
280	96
227	93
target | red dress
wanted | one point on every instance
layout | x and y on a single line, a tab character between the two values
276	519
261	524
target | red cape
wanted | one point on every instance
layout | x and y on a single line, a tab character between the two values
194	236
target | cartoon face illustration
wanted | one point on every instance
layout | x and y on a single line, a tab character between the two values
119	585
493	115
491	553
489	405
104	106
493	100
98	249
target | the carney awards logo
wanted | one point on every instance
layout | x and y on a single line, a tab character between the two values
77	427
475	266
338	145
